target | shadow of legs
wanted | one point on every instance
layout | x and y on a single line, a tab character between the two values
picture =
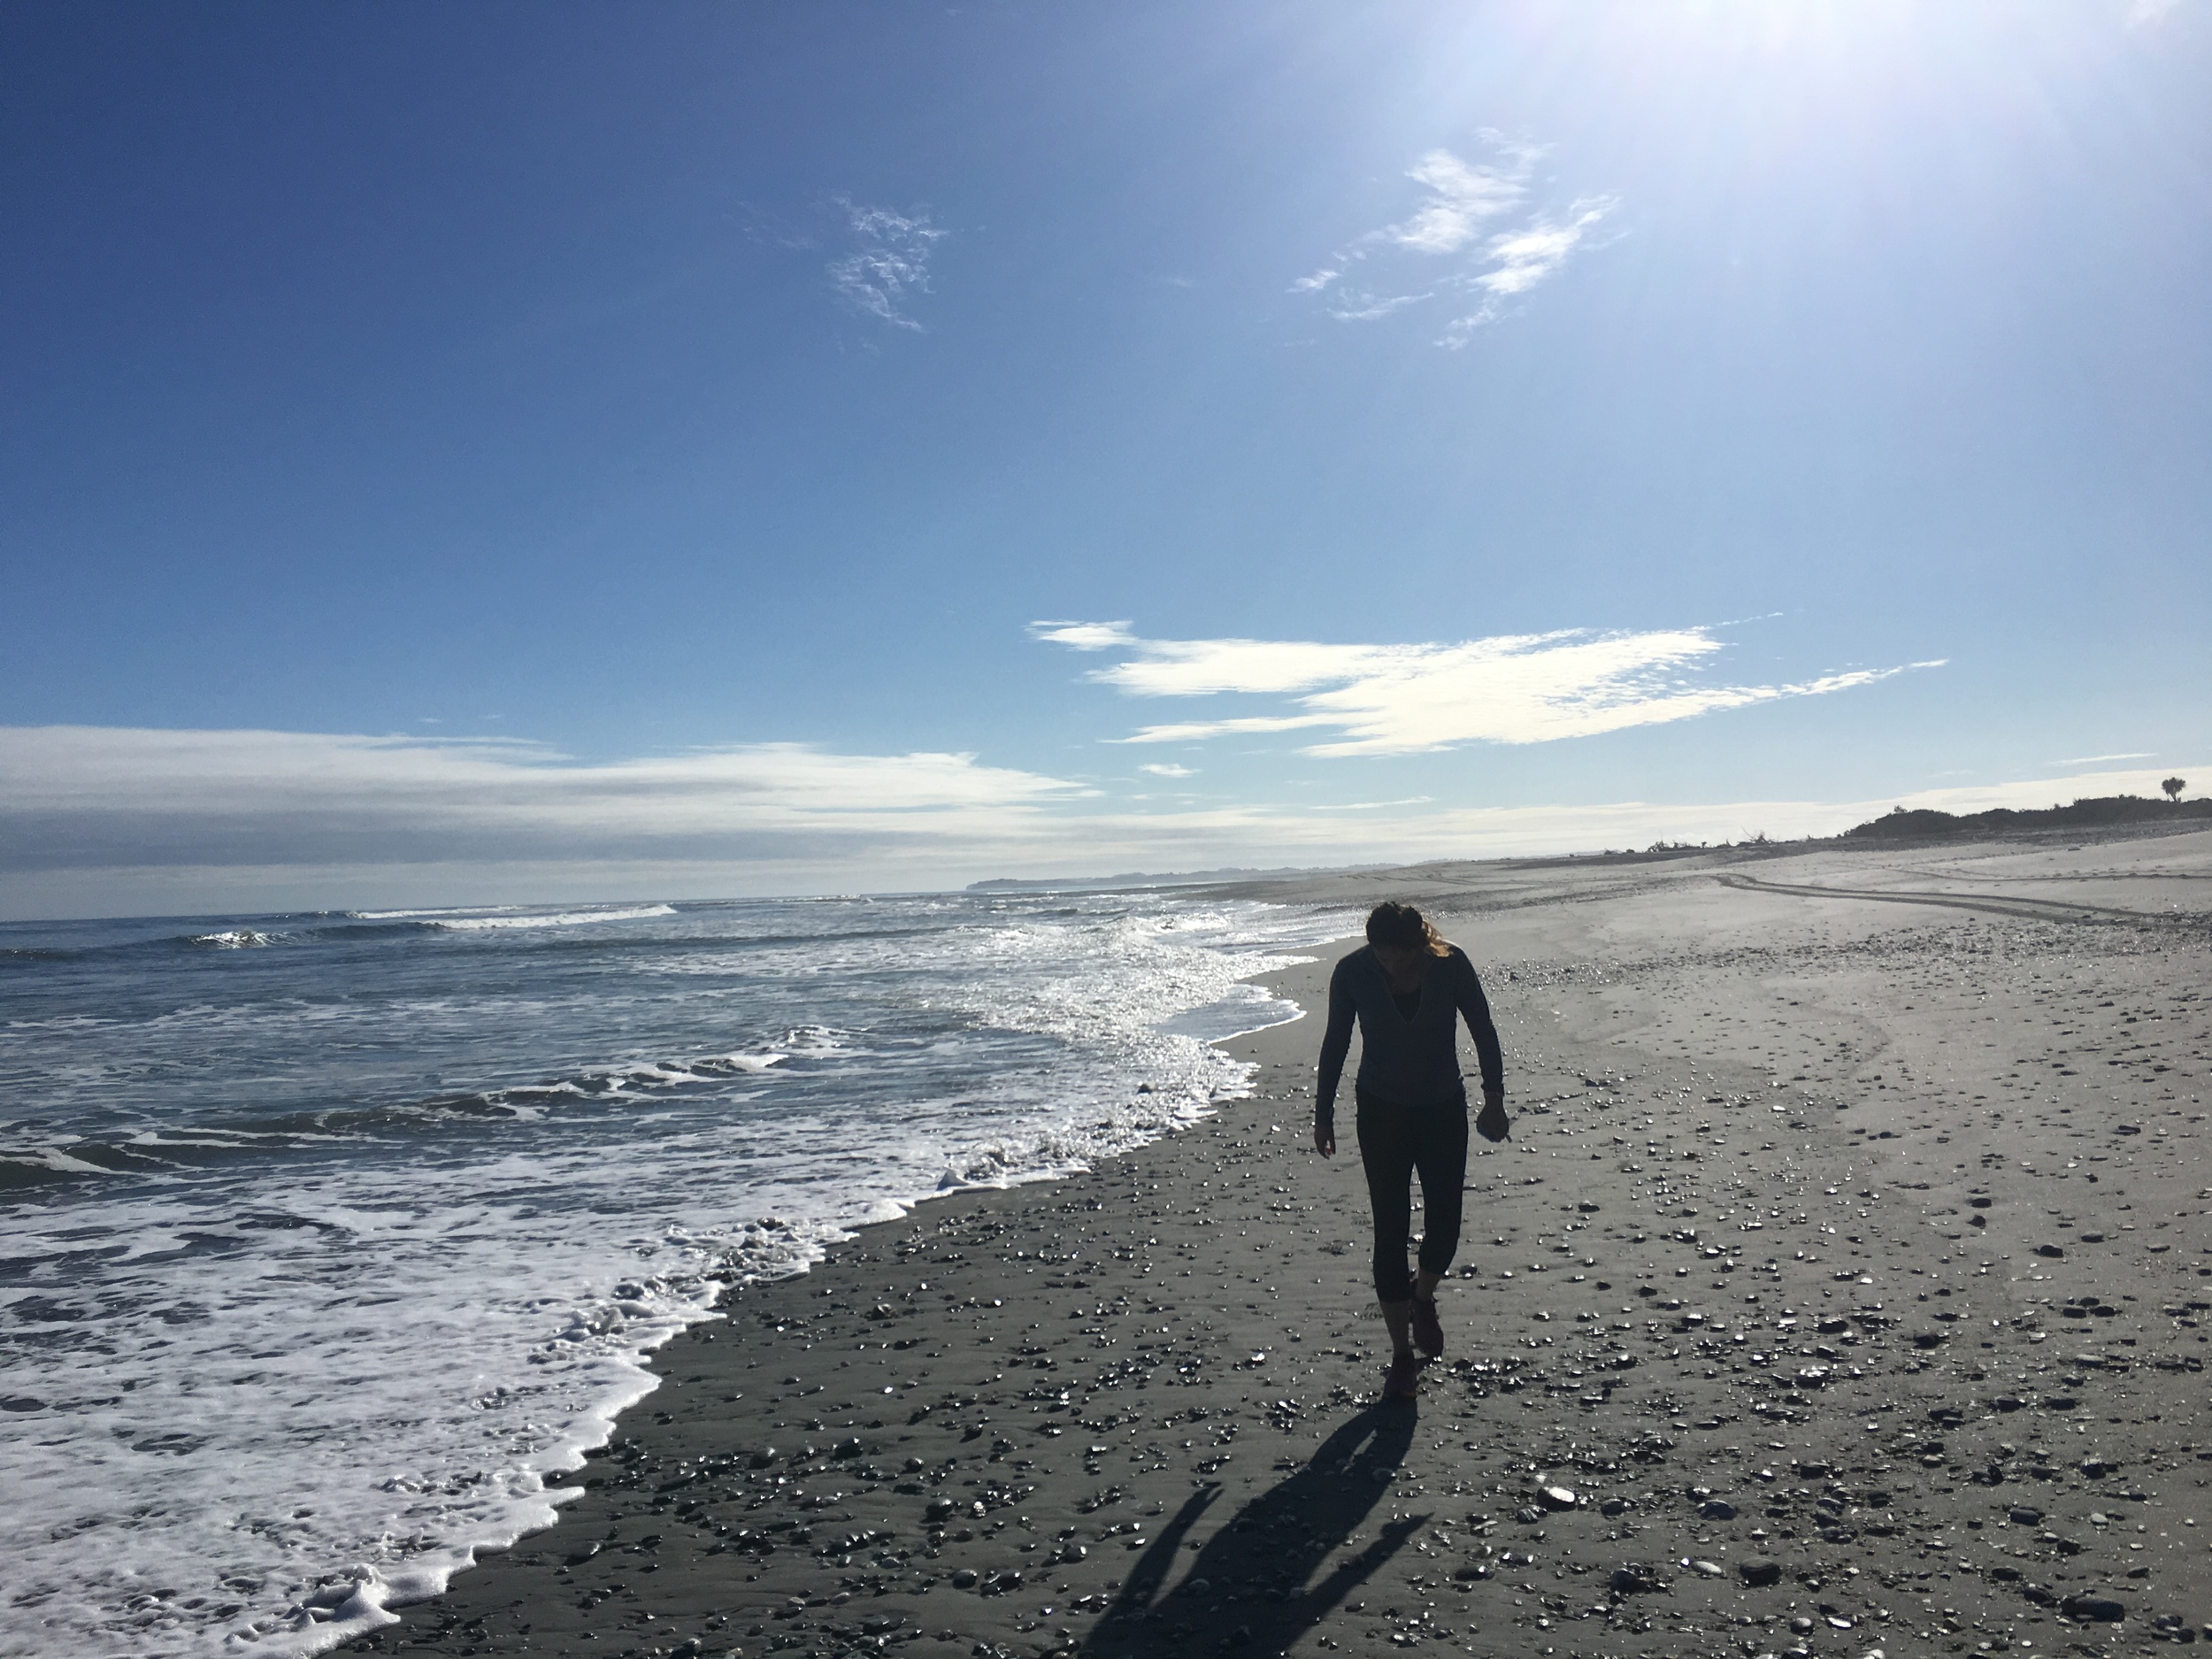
1249	1582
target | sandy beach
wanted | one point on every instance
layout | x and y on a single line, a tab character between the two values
1844	1287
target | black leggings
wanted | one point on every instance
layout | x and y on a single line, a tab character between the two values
1394	1141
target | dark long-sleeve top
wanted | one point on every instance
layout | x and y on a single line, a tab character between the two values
1408	1062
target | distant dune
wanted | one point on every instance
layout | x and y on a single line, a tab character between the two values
2091	814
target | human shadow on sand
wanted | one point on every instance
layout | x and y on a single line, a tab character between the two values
1252	1584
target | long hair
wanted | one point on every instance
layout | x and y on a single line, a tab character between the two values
1402	927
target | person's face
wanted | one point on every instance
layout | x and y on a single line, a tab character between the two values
1398	961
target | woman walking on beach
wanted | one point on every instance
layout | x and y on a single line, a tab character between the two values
1409	988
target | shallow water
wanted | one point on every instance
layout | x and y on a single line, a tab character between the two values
325	1237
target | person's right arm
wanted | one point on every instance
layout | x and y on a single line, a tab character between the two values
1336	1042
1474	1007
1492	1124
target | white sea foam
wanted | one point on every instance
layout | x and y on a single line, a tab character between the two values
335	1341
471	916
448	910
556	918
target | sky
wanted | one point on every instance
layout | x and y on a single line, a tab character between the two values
518	452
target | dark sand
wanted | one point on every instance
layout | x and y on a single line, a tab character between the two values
1844	1287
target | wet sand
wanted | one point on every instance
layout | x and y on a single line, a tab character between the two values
1844	1285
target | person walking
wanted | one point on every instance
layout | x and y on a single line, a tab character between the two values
1409	988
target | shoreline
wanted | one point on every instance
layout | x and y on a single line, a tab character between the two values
782	1303
429	1578
1132	1408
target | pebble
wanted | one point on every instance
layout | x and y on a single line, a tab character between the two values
2093	1609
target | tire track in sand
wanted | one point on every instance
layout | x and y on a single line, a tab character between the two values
1995	903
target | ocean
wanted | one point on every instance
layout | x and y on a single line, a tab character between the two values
324	1238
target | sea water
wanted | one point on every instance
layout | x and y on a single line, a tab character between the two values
325	1238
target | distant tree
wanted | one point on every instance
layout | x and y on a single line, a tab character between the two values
2173	786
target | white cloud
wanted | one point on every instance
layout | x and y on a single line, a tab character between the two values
93	799
1462	197
1410	699
890	261
1084	636
1367	309
1521	259
91	796
1448	224
2087	760
2148	13
96	821
1526	257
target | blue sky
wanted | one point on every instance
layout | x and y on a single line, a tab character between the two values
566	450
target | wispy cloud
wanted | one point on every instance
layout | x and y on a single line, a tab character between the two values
889	264
1167	768
93	796
1085	636
1412	699
1521	259
2084	760
1368	309
1450	223
100	821
1461	198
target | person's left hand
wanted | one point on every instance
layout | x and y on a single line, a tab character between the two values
1494	1124
1325	1142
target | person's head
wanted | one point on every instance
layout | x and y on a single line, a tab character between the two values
1401	935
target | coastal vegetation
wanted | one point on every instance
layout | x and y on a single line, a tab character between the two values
1900	823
